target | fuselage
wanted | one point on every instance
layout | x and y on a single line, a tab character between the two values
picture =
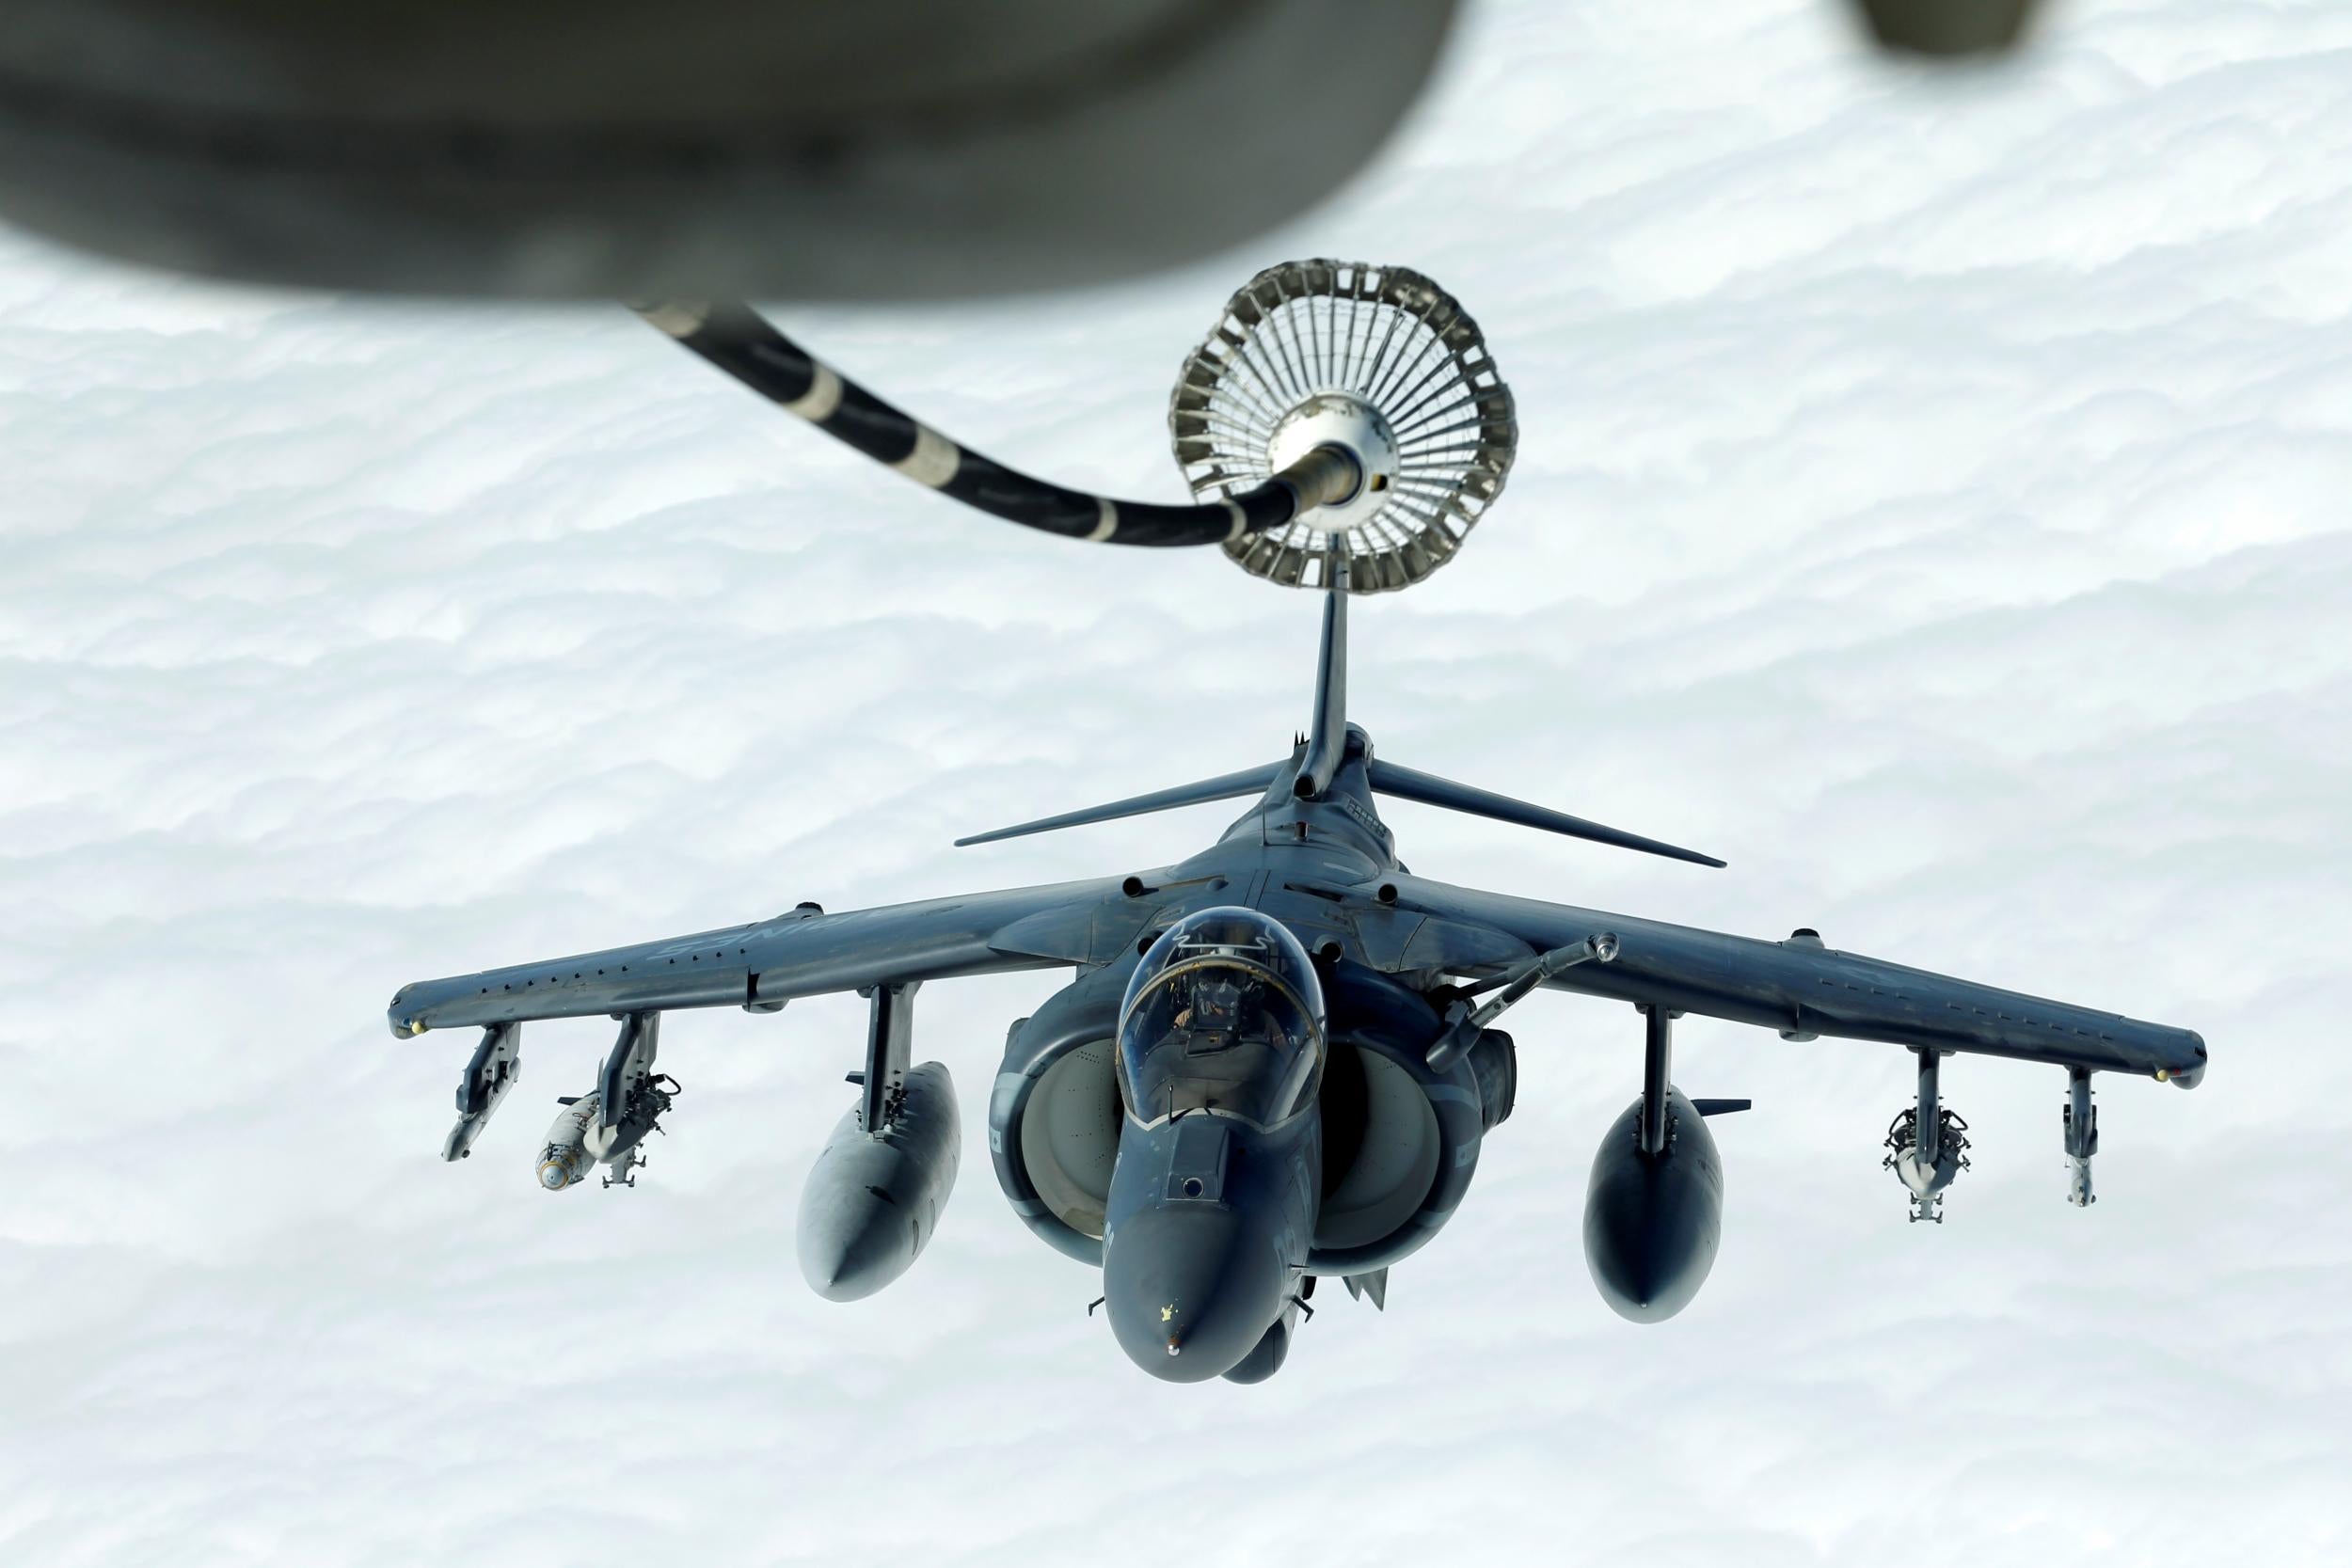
1208	1224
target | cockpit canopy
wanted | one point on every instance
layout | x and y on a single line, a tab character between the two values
1223	1014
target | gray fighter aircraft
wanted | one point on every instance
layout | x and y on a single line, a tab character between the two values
1277	1060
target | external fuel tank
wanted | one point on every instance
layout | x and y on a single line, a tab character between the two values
873	1200
1652	1221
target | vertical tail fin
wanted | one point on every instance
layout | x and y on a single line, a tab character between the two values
1327	743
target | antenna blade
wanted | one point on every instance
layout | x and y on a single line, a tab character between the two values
1250	781
1409	784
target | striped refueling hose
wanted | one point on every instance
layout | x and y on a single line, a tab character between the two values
739	342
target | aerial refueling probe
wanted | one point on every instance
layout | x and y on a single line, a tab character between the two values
1339	423
741	342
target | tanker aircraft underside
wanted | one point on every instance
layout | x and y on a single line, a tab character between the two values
1277	1060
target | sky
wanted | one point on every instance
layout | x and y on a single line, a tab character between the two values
1928	500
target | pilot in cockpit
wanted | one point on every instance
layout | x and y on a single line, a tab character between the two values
1224	1014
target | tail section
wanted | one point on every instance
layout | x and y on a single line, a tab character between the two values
1327	743
1325	749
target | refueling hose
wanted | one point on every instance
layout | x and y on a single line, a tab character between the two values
739	342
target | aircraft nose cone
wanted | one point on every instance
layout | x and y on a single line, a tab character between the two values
1190	1288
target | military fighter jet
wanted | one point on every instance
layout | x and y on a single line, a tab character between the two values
1276	1061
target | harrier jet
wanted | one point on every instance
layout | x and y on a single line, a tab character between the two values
1273	1061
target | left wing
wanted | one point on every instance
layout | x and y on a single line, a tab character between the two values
804	951
1803	989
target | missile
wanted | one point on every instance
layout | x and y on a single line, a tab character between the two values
1927	1144
576	1142
2081	1123
872	1200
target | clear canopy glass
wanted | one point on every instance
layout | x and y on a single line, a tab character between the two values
1224	1013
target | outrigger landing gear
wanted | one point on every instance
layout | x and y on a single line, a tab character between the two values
497	1064
1927	1145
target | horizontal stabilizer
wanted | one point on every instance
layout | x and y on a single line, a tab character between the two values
1250	781
1721	1107
1409	784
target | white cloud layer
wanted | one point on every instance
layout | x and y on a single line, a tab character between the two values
1930	499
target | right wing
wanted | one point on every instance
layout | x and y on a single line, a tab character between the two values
1803	989
804	951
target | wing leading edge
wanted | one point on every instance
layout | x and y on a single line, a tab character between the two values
1800	988
804	951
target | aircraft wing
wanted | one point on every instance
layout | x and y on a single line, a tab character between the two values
1802	987
804	952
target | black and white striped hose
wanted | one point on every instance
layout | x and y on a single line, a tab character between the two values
736	338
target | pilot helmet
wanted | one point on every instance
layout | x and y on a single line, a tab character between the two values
1216	998
1224	1014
